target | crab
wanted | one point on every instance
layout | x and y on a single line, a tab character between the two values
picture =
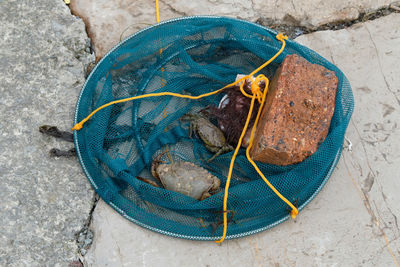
213	138
185	177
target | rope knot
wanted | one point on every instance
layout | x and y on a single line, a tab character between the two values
280	36
78	126
255	86
294	213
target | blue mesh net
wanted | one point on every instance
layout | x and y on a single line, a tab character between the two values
192	55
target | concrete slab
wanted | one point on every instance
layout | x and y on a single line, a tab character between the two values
110	20
352	222
44	201
368	53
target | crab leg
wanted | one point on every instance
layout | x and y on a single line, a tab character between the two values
221	151
150	182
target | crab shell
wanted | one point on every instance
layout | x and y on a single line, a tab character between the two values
213	138
186	178
209	133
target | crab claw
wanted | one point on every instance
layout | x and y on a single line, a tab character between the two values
205	195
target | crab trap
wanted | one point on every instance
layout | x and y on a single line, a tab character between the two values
122	147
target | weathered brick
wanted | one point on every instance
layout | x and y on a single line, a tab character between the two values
297	114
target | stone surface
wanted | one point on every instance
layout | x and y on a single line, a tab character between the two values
44	201
368	54
109	21
297	113
352	221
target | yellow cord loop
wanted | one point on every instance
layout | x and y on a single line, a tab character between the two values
256	94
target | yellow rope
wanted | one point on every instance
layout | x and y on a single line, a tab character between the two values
157	12
294	211
79	125
256	94
228	178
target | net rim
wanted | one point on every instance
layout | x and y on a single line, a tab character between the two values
121	212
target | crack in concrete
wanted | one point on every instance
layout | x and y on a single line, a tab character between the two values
365	197
390	211
367	202
181	13
87	28
380	66
95	197
374	176
84	237
294	28
374	218
294	7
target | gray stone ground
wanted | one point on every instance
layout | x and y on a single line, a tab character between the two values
45	202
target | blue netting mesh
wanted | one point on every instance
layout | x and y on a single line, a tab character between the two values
199	54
